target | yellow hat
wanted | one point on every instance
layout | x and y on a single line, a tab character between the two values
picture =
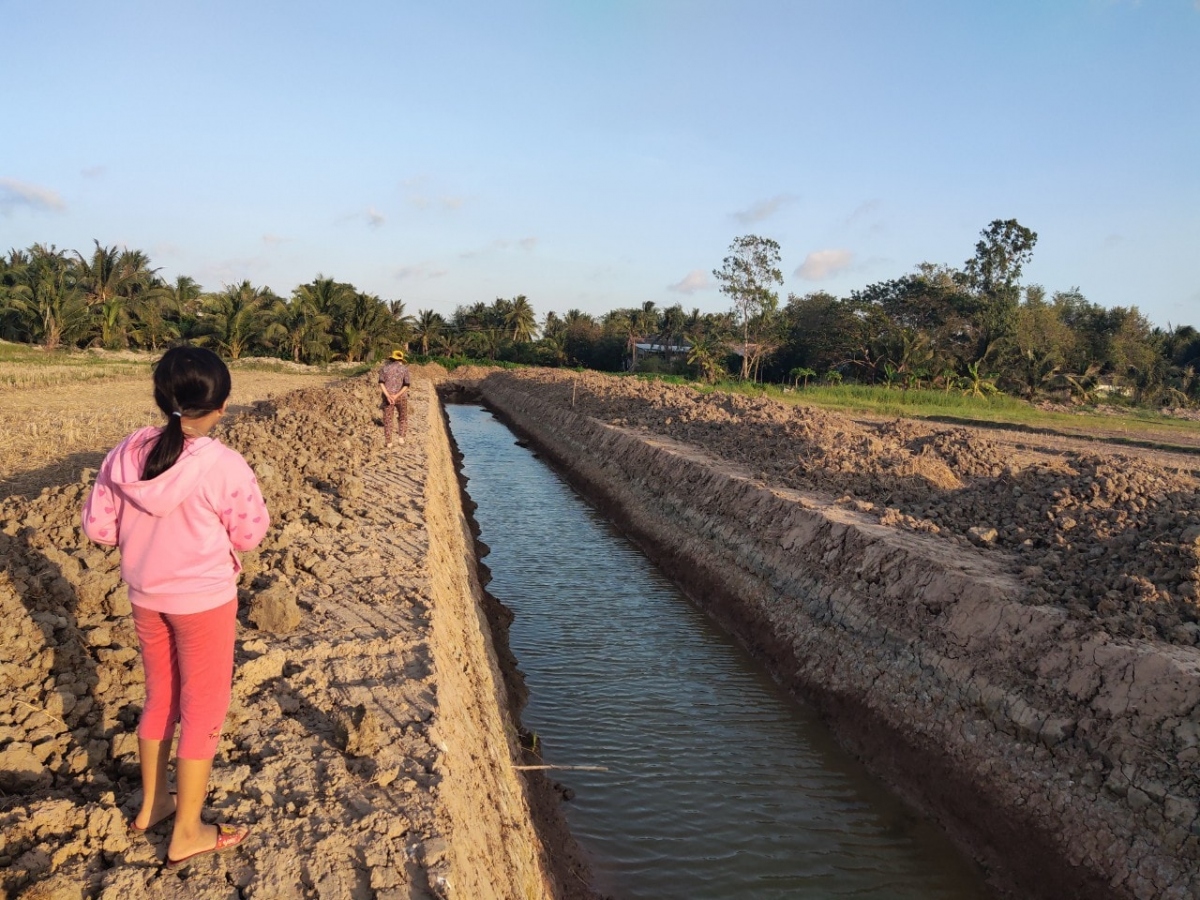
398	354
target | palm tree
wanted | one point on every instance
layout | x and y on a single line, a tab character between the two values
446	343
633	325
404	322
553	326
297	325
521	320
576	318
13	310
672	326
235	317
332	299
50	298
100	278
706	355
369	327
1035	370
114	319
185	295
429	326
124	290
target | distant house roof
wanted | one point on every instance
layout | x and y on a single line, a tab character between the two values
664	348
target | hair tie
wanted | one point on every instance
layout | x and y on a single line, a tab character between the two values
177	413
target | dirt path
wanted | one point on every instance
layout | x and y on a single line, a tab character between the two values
365	745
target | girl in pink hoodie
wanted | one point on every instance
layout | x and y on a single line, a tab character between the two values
180	505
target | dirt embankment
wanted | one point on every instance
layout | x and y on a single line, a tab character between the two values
1009	638
365	746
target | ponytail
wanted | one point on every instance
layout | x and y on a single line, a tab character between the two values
188	381
166	450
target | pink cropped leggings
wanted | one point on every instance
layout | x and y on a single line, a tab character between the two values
189	676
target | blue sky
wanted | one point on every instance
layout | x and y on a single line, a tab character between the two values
594	155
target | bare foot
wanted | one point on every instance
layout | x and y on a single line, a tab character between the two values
148	817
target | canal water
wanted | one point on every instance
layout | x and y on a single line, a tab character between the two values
717	784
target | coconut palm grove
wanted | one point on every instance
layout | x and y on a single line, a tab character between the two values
974	328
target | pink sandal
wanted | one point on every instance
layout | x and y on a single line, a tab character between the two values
228	837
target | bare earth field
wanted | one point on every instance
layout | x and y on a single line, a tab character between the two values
366	745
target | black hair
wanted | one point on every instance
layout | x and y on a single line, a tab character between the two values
188	381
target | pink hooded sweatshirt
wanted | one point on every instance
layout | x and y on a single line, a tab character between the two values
179	532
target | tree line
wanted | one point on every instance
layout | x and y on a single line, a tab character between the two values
973	328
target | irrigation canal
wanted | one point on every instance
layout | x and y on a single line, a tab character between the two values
718	784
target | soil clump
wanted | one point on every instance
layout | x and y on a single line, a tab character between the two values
1111	537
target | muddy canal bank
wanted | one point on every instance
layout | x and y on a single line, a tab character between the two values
1052	731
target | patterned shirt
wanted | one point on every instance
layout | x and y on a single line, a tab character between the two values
393	376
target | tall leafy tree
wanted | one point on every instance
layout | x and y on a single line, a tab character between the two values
1004	248
370	327
520	319
824	333
124	293
672	326
300	328
51	298
333	300
428	326
633	325
749	277
236	318
13	308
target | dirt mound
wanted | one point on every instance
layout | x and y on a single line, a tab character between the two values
1111	538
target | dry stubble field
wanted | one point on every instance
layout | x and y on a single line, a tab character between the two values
60	414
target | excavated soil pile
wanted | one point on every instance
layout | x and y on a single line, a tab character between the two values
1006	636
357	778
1107	536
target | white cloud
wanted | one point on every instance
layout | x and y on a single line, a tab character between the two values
374	217
527	244
165	248
862	211
420	201
418	195
695	280
15	193
272	239
419	272
764	209
229	272
822	264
